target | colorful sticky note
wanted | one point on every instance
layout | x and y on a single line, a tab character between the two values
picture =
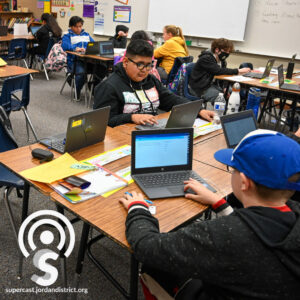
47	7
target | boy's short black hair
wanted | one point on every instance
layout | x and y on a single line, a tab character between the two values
140	35
74	20
123	28
139	47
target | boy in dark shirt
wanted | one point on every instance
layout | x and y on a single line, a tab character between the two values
249	253
133	94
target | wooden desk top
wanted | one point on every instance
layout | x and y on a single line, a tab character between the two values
9	37
108	216
256	82
96	57
129	127
20	159
9	71
204	151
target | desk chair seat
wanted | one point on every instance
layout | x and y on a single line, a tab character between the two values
11	102
9	180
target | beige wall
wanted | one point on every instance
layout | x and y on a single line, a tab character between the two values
32	7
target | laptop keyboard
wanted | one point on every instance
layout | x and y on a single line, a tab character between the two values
58	144
253	75
168	179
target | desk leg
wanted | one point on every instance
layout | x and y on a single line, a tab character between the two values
80	257
294	106
268	98
62	257
24	216
134	277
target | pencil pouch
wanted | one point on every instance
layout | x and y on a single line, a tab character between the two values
77	181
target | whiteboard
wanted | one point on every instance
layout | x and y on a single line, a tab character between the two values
272	28
139	16
202	18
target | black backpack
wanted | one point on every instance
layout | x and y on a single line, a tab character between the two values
6	125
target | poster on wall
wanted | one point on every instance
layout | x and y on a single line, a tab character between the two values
123	1
99	15
122	14
65	3
88	8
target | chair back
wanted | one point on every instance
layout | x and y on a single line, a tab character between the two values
177	64
186	91
17	49
7	139
246	65
12	85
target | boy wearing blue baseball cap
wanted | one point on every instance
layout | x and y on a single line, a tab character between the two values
247	253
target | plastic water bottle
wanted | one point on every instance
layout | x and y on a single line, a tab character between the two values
219	108
253	101
159	42
234	100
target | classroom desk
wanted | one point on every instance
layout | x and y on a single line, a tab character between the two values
9	37
107	215
129	127
10	70
273	92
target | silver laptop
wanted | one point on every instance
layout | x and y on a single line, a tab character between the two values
265	74
181	116
236	126
106	49
83	130
34	29
161	160
285	86
92	48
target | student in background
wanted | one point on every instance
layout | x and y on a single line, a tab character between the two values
212	62
49	29
76	40
133	95
173	47
142	35
247	253
120	38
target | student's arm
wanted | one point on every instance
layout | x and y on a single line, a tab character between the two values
41	33
208	63
66	43
295	136
162	51
121	42
106	95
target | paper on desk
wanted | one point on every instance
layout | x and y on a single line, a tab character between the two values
267	79
54	170
125	174
202	127
109	156
274	84
239	78
298	76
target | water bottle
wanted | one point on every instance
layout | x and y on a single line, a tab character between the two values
234	100
253	101
219	108
159	42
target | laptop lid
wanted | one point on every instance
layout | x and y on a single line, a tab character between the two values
184	115
161	150
34	29
280	75
236	126
268	68
86	129
92	48
106	48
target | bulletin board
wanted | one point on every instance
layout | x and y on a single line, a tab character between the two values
108	14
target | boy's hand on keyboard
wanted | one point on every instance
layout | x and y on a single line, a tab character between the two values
128	199
203	195
143	119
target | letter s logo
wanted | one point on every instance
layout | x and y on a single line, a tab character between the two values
40	261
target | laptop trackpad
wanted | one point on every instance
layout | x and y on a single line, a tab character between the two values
176	190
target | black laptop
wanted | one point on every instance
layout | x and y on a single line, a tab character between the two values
286	86
236	126
106	49
161	160
181	116
92	48
3	30
83	130
265	74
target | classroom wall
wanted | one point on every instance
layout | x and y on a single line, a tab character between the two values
32	7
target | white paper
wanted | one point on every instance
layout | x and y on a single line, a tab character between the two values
239	78
20	29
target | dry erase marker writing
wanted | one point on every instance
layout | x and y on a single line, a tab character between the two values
148	201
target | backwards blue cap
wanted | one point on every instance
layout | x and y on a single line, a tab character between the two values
267	157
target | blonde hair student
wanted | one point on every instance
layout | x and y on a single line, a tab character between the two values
173	47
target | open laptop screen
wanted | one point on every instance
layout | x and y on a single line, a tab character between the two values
236	126
106	48
162	150
34	29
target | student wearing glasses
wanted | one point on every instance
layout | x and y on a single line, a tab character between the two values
133	95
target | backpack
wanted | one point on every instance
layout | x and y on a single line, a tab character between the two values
57	58
6	125
177	85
